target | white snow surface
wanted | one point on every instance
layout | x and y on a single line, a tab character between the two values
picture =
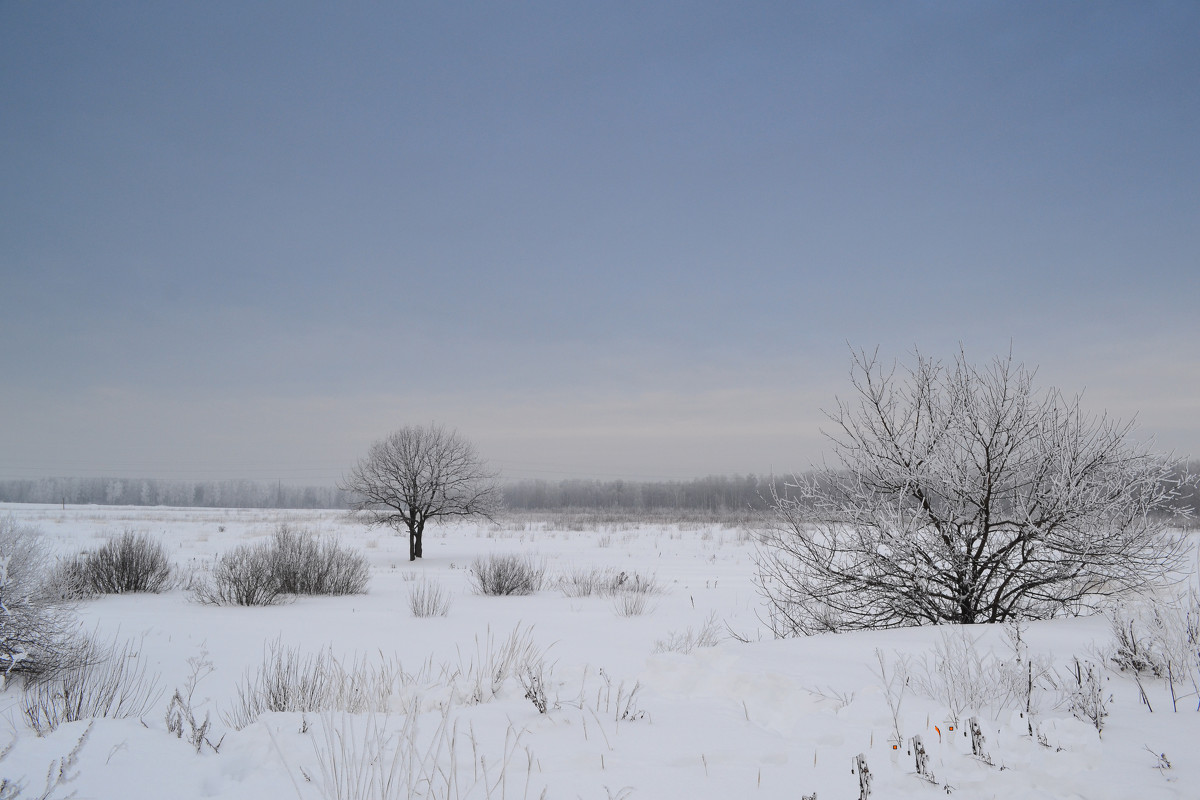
761	718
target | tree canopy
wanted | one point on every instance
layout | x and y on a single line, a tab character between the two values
964	495
419	474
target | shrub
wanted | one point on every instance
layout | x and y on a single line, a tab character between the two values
132	562
103	680
428	599
34	627
291	563
245	576
503	575
68	579
310	565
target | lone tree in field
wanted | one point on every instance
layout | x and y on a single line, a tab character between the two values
419	474
964	496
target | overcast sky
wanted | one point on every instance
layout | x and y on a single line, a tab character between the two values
611	240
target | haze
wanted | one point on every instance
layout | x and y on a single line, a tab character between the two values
246	240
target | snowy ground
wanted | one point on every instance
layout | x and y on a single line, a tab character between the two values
764	718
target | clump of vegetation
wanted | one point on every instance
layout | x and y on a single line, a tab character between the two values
1138	635
966	495
606	582
68	579
312	565
102	680
632	604
478	678
35	629
707	635
588	582
428	599
630	590
131	562
181	716
290	563
1085	694
288	680
244	576
507	574
1161	636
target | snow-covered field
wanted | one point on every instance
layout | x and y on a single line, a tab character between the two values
629	714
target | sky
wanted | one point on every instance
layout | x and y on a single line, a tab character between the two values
610	240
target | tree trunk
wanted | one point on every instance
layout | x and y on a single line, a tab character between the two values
412	545
420	530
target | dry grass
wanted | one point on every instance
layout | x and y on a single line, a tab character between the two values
428	599
104	680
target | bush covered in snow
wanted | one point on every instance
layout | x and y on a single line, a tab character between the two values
131	562
34	628
290	563
507	574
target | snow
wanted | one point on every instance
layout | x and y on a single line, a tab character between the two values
758	718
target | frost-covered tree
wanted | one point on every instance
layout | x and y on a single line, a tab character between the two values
964	495
33	627
418	474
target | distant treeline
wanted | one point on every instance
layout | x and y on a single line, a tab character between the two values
715	494
157	492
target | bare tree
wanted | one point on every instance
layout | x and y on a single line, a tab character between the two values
964	496
418	474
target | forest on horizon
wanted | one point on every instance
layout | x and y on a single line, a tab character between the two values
716	494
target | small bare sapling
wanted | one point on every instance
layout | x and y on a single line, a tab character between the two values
894	684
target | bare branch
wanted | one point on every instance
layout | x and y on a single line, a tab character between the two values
965	496
419	474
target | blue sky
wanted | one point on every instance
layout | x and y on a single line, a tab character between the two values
246	240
